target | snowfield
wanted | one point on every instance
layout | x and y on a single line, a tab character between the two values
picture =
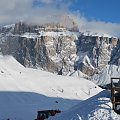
24	91
97	107
104	77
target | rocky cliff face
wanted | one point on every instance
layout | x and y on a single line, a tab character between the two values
49	48
58	49
29	52
100	52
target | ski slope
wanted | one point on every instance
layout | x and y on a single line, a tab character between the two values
24	91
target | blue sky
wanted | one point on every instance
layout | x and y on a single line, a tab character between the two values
102	10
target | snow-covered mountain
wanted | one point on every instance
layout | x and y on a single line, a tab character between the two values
58	49
47	47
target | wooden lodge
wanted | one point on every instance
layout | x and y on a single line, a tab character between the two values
115	94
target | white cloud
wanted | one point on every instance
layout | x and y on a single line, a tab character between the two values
15	10
112	29
47	1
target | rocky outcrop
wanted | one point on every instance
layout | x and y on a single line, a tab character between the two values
88	70
115	53
99	51
29	52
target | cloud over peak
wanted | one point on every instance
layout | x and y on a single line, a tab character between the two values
43	11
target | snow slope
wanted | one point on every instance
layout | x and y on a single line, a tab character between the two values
100	34
104	77
51	34
24	91
97	107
